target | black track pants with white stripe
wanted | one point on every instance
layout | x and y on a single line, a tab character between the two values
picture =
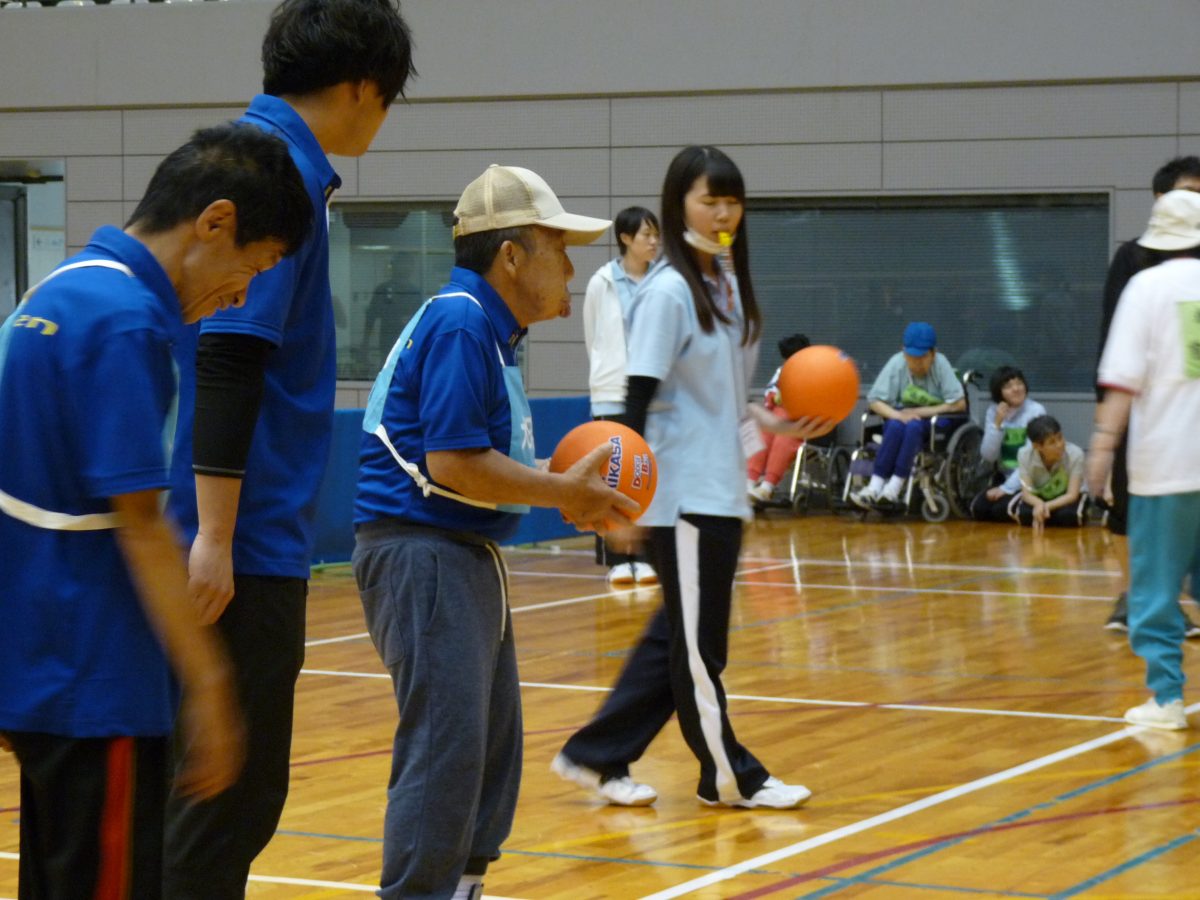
676	666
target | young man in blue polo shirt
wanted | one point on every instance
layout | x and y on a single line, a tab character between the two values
262	390
93	587
447	467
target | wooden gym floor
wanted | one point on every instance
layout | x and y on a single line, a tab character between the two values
947	691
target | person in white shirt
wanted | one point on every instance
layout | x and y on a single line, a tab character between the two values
1150	372
605	308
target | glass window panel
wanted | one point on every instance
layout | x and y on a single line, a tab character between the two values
1002	279
385	259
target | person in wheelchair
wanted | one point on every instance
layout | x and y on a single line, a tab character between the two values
1046	488
766	468
915	385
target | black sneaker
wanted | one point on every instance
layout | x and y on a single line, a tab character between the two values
1119	620
888	506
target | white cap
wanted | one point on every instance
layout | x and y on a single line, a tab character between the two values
1174	222
509	196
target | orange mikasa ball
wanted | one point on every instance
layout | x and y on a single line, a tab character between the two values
630	467
819	381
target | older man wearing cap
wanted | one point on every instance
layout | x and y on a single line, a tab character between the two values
1150	372
447	468
913	386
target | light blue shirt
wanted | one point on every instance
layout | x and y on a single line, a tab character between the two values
894	378
692	424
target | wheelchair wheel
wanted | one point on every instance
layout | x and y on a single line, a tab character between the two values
935	507
966	474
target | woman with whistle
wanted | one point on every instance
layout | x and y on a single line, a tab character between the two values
693	342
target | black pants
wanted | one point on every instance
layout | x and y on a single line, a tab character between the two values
91	816
210	845
606	555
1063	517
985	510
696	561
1011	508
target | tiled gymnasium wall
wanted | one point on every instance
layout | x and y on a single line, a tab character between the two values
603	154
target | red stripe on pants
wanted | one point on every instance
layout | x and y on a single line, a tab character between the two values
116	821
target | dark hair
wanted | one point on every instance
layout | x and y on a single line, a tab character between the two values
311	45
1173	170
1041	428
237	162
724	180
629	221
478	251
793	343
1003	376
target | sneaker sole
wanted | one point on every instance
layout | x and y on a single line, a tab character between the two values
1160	726
628	804
1116	626
750	804
583	777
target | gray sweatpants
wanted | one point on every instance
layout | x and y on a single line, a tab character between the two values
436	608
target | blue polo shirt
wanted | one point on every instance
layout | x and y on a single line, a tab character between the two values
86	394
291	306
446	393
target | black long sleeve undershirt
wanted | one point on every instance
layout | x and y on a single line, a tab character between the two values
639	391
230	372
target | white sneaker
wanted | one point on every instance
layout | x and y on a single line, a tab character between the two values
761	491
863	498
622	791
644	574
774	794
621	575
1169	716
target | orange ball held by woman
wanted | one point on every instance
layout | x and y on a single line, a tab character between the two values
819	381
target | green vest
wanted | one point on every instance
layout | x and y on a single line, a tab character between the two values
912	395
1014	440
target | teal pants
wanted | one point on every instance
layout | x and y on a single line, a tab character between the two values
1164	546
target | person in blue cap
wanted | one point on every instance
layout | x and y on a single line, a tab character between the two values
914	385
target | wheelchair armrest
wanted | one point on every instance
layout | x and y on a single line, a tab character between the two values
867	420
962	418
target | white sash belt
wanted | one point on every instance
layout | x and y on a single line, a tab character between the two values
56	521
44	518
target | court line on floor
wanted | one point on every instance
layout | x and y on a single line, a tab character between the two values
778	563
570	601
662	864
1097	598
1019	820
845	563
1150	855
300	882
892	815
514	610
799	701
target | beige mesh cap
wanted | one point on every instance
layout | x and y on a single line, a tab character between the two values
1174	222
509	196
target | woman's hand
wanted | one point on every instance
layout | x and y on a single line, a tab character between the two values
1002	411
803	429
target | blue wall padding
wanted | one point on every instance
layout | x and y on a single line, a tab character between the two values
552	418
